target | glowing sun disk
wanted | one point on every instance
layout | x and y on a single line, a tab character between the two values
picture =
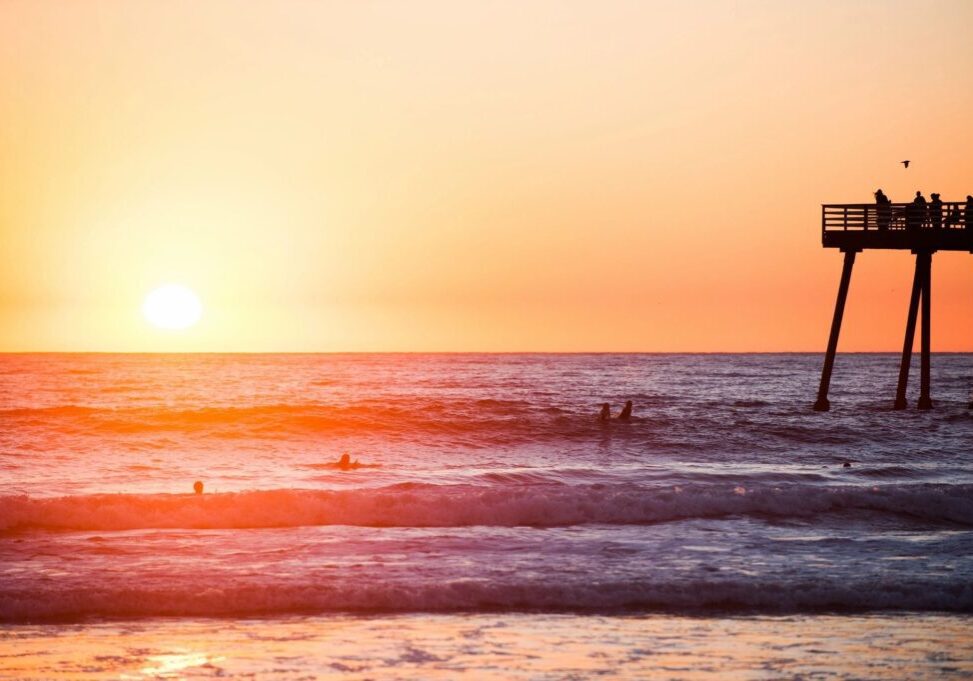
172	306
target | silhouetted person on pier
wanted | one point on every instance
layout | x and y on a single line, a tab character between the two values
968	213
606	412
198	487
626	411
883	210
936	212
920	201
915	213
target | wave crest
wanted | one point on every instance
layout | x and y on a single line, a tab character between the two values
424	505
231	598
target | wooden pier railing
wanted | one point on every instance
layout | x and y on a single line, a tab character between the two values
857	226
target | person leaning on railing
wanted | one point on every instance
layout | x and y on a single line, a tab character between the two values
883	210
968	213
915	213
936	212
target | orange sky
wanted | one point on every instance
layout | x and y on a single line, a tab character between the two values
472	176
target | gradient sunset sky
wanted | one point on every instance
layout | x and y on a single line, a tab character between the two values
563	176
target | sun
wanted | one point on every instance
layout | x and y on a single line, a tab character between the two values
172	306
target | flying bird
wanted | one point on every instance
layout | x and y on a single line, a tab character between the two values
905	163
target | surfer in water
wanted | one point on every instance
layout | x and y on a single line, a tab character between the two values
198	487
606	412
346	464
626	413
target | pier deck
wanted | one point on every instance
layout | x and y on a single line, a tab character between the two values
858	226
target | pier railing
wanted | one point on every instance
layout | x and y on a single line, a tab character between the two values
891	216
905	226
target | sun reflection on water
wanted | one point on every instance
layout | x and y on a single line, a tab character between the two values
172	664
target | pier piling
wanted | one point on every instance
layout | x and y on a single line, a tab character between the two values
822	403
924	400
910	335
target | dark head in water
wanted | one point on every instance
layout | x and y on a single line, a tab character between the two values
344	463
626	411
605	412
198	487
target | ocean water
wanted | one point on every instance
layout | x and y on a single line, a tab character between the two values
487	488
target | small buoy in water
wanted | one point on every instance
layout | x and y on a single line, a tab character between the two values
847	465
198	487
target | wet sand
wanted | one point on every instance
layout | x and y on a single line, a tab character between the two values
501	646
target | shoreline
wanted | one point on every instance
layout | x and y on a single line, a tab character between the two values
495	646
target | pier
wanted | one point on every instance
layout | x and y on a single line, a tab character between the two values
922	230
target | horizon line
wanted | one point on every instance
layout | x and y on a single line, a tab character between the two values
465	352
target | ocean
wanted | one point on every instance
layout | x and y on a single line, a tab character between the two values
489	498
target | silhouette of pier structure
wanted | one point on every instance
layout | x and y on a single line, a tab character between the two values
852	228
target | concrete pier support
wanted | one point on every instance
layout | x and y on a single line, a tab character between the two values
822	403
924	400
910	335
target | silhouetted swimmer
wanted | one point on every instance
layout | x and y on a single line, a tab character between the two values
198	487
846	465
626	411
606	412
346	464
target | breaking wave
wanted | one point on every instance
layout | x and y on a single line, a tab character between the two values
426	505
236	597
